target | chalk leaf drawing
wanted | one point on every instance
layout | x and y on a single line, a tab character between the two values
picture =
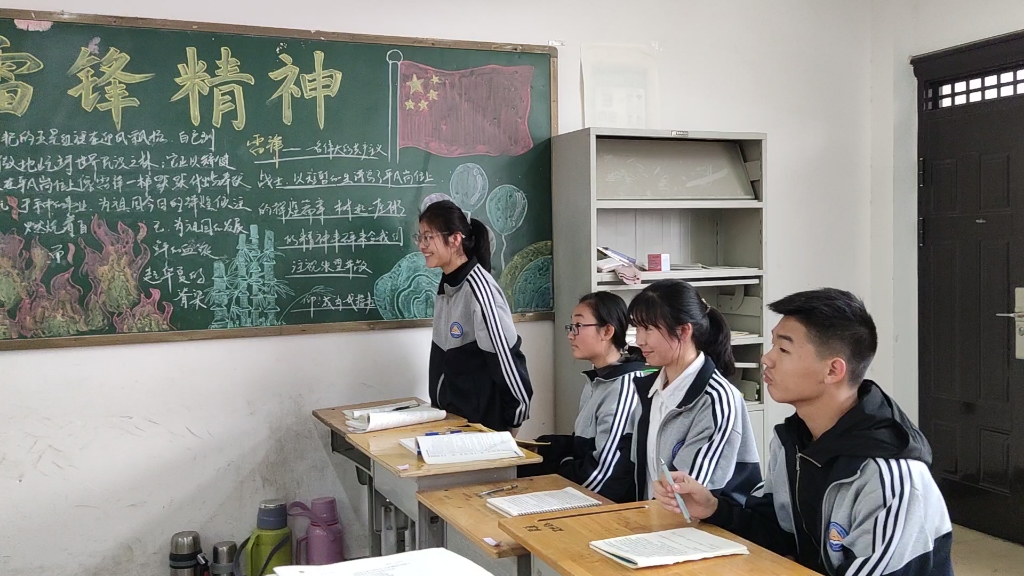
527	280
407	291
506	210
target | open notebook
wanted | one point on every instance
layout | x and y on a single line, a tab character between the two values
666	547
466	447
542	502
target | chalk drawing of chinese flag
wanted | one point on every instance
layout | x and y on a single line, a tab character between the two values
451	113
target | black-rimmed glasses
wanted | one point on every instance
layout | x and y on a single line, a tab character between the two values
427	238
574	329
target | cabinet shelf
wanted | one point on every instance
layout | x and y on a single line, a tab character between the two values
704	273
676	204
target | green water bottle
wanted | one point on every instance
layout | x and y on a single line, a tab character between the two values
270	544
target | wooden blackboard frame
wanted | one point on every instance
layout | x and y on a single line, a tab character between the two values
237	29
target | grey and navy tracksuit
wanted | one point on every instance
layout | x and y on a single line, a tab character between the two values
707	435
597	454
858	501
477	367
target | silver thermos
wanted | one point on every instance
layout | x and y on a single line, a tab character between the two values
223	557
186	558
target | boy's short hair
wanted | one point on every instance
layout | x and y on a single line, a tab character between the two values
837	323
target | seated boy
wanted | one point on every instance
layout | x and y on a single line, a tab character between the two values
848	490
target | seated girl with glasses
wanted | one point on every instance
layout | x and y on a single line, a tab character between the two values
692	418
597	454
477	366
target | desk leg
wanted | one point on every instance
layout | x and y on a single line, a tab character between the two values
375	518
389	531
542	569
402	493
429	529
374	501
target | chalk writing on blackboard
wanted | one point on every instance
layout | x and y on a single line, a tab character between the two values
228	181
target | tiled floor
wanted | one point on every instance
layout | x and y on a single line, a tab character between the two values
977	554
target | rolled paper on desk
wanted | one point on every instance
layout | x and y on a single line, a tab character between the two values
395	419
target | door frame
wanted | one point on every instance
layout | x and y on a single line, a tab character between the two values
953	64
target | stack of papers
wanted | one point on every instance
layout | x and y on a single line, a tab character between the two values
396	418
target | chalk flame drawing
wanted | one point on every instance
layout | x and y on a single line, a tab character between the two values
20	271
146	316
113	272
54	313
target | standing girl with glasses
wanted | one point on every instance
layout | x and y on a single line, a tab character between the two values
597	454
691	418
477	367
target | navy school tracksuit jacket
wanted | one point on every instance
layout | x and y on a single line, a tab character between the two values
860	500
477	367
597	454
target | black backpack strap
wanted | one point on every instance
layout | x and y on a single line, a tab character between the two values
236	567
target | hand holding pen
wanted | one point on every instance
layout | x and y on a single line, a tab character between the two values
681	493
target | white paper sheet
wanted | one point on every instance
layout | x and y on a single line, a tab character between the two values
429	562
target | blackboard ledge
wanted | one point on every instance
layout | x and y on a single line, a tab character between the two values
155	337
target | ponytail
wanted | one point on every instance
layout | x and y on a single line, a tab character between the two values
633	354
479	245
672	304
446	217
716	342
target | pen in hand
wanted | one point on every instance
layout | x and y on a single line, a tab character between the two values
671	483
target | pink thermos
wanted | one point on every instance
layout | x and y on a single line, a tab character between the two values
322	543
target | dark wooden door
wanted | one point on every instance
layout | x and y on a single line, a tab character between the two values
971	259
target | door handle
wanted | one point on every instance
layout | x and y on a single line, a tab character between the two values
1018	315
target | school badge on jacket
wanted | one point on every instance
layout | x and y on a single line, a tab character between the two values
455	330
836	535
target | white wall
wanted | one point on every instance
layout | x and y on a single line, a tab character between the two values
105	452
901	29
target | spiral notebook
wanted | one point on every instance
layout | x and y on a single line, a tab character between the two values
542	502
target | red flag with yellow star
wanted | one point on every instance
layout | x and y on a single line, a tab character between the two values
451	113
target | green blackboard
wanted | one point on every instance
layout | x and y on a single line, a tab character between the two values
167	180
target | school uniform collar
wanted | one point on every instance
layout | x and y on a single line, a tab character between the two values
457	276
613	371
686	380
699	385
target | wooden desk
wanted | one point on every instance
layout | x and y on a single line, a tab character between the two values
560	544
468	520
394	475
